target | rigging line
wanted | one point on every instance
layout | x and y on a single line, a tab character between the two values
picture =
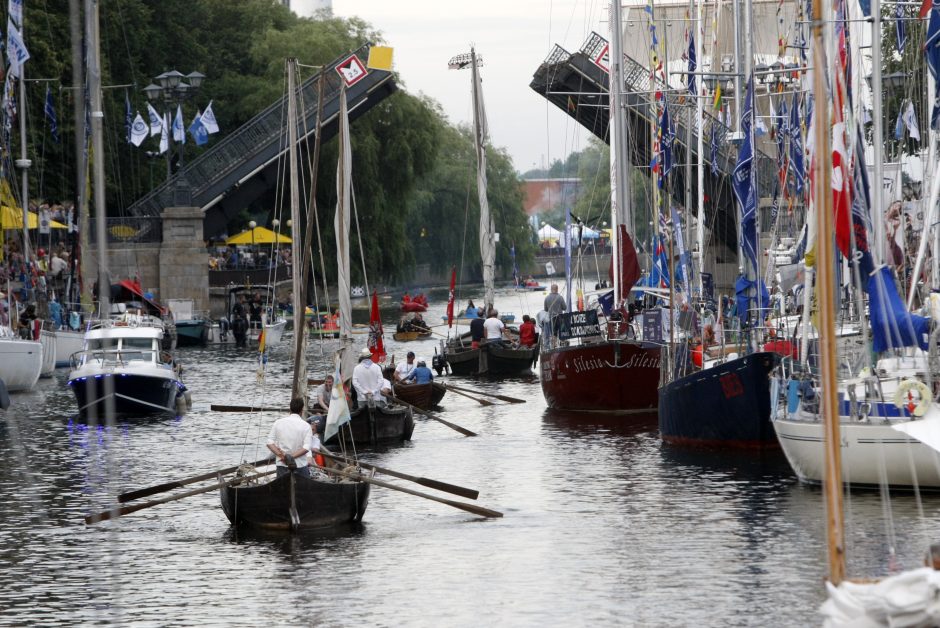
463	246
362	254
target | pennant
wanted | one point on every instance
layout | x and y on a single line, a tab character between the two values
571	106
49	110
261	341
910	120
128	118
138	130
198	131
899	30
716	101
338	413
15	8
693	64
376	346
796	144
208	120
179	135
164	135
668	133
743	181
156	121
450	297
16	49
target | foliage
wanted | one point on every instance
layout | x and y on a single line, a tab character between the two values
913	86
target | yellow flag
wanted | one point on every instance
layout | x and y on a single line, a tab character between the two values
261	341
717	102
380	58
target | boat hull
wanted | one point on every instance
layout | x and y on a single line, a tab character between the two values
67	342
490	359
20	363
134	394
617	376
377	425
408	336
724	406
47	340
424	396
318	504
194	333
414	307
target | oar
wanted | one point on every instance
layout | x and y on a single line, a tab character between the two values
116	512
169	486
482	402
435	484
431	415
477	510
505	398
222	408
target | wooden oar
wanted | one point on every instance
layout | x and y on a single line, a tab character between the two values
505	398
477	510
116	512
223	408
169	486
482	402
435	484
431	415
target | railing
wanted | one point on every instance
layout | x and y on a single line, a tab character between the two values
131	229
119	357
266	127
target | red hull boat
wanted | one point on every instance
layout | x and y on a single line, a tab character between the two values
619	376
413	306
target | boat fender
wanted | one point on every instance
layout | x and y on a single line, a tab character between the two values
180	404
189	399
904	400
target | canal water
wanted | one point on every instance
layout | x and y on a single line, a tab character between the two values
604	524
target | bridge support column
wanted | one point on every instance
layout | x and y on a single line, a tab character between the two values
184	265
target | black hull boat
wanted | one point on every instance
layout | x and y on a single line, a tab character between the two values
376	424
192	333
133	395
424	396
490	359
294	502
723	406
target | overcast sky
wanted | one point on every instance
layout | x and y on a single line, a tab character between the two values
512	36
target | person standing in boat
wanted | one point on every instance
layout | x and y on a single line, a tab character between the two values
421	374
324	394
367	379
240	322
290	441
494	328
477	331
527	334
554	303
404	370
255	308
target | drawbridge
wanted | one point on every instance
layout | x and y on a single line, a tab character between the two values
243	165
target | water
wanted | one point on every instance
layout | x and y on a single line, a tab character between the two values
604	525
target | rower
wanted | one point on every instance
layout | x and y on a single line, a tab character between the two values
404	370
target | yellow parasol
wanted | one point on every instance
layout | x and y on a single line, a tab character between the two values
12	218
258	235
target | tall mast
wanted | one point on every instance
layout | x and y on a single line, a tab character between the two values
700	147
487	248
23	163
80	211
620	210
299	385
97	144
877	198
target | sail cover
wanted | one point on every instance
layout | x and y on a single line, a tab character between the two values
892	326
629	266
341	221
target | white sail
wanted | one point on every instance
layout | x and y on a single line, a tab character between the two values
487	246
300	337
341	229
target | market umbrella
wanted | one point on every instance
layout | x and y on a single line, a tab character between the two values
549	232
261	235
12	218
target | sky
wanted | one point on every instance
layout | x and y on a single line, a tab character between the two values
512	36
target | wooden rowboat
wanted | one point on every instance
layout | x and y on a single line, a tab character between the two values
408	336
424	396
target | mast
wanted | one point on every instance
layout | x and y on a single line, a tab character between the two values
299	383
23	163
97	144
877	133
700	147
620	210
341	231
487	248
825	286
80	211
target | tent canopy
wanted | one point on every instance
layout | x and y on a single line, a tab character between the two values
12	218
586	233
258	235
549	232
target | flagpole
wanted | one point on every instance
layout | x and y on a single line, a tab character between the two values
23	163
877	133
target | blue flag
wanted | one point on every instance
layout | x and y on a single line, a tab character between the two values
743	182
198	130
796	144
892	326
128	118
49	110
899	29
713	146
668	136
693	64
932	53
861	212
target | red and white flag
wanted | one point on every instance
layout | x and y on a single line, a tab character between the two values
376	345
450	297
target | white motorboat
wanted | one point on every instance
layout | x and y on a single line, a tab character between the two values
67	342
20	360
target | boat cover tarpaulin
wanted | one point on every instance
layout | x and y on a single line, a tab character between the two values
892	326
121	289
926	429
906	599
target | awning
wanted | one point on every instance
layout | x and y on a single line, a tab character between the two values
258	235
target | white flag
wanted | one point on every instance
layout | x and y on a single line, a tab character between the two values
208	120
164	135
156	122
16	49
138	130
179	133
910	119
15	8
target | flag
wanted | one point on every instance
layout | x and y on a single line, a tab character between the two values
668	133
261	341
910	120
659	276
49	110
743	181
861	210
208	120
796	143
164	135
693	64
450	296
716	101
156	121
376	346
841	177
899	30
925	6
179	135
198	131
138	130
932	53
899	125
16	49
128	118
714	149
338	413
759	127
15	8
515	268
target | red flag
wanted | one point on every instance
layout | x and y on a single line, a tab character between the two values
376	346
450	296
629	266
841	174
925	8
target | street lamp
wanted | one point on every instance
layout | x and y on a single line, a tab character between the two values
171	88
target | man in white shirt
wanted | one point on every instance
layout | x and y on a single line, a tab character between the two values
403	371
367	378
290	441
494	328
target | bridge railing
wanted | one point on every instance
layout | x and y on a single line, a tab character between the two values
131	229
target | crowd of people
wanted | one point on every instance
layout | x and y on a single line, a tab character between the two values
248	258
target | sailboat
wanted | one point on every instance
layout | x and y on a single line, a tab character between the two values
293	501
586	366
488	358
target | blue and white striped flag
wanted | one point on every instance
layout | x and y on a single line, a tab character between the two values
49	110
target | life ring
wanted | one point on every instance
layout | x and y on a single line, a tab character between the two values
903	400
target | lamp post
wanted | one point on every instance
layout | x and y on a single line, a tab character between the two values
170	89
